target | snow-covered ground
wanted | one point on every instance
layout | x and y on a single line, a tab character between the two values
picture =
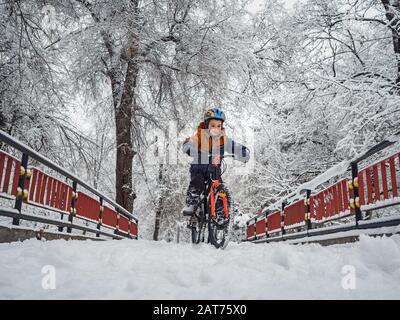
145	269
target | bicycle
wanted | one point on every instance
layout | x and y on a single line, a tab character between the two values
205	212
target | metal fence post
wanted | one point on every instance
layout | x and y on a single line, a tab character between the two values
22	194
308	214
100	217
283	218
73	200
355	202
61	228
116	231
129	229
266	226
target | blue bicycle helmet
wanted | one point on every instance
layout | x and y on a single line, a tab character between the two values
214	113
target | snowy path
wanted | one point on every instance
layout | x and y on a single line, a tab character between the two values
159	270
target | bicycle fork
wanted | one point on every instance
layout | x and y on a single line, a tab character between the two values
215	185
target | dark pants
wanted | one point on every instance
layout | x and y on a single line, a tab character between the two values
199	174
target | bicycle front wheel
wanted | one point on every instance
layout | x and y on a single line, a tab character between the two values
218	234
218	227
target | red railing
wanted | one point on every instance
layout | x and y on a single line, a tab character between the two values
331	203
48	191
9	173
110	217
251	231
32	186
87	207
123	224
261	228
374	187
294	214
274	222
378	183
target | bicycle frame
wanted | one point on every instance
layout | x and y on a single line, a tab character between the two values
215	184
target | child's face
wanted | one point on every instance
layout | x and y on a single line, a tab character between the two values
215	127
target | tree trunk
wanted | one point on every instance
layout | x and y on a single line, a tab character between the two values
392	12
160	204
123	90
125	153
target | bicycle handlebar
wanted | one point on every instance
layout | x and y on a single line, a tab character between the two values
222	155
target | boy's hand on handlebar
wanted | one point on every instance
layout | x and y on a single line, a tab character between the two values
217	159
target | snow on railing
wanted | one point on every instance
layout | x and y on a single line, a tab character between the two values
373	187
30	186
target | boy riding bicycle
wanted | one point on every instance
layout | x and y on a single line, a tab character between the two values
206	147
